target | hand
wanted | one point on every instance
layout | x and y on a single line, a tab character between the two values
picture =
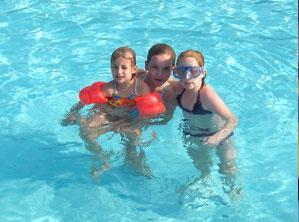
141	73
212	141
69	119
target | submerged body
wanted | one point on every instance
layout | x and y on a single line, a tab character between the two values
208	123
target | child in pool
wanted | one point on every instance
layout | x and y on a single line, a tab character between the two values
198	99
121	99
121	95
208	122
158	69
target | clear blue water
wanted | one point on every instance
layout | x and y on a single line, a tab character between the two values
51	49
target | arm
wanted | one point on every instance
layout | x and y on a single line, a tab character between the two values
141	74
211	100
143	88
169	92
149	104
95	93
70	117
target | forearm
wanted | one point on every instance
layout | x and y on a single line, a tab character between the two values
75	108
227	129
70	117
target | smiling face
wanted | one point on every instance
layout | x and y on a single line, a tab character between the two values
122	70
190	83
159	68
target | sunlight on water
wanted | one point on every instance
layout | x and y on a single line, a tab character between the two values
50	50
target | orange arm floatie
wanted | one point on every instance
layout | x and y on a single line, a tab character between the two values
150	104
93	94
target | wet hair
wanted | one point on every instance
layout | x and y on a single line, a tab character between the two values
124	52
194	54
198	56
159	49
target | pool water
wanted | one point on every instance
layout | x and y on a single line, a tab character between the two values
49	50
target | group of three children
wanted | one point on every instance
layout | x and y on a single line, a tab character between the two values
136	95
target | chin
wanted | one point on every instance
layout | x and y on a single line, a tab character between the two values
188	86
120	80
158	83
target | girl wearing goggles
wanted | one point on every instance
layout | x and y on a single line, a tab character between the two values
188	72
208	122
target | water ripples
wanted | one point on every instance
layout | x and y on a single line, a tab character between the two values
50	50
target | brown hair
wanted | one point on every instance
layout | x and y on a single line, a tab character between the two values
159	49
198	57
124	52
194	54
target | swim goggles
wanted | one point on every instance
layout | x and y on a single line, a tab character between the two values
188	72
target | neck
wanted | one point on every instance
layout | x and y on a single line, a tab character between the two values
123	86
194	90
150	83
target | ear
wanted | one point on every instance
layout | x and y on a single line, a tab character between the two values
203	75
134	69
146	65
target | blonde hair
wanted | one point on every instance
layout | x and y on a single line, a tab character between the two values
197	55
124	52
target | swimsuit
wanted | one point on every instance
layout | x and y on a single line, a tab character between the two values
125	102
199	132
118	101
197	108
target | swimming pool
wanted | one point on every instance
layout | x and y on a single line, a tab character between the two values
48	51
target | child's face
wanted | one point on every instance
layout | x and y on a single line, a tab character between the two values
122	70
190	83
159	69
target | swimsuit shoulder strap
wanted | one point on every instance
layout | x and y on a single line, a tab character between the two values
135	92
181	94
114	93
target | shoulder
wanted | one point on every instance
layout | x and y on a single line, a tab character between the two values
207	92
141	74
108	88
142	87
212	101
209	97
175	86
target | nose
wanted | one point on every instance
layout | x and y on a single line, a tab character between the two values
119	70
188	75
159	72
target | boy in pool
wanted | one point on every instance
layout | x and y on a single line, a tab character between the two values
208	122
158	68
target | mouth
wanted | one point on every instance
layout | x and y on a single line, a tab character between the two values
188	83
159	82
119	77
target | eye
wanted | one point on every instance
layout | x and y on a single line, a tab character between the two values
166	69
153	67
